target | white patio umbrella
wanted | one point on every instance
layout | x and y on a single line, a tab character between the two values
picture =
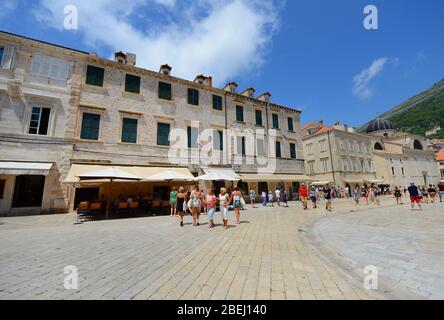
169	176
216	176
109	174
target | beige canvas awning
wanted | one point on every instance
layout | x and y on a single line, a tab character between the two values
274	177
25	168
143	172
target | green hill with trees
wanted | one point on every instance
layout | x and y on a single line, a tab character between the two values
420	113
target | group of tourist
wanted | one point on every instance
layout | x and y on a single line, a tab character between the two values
279	197
421	194
195	200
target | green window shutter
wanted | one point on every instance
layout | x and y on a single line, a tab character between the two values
90	126
218	140
163	134
129	130
278	150
290	124
293	150
239	114
275	121
165	91
192	134
217	102
259	118
132	84
193	97
95	76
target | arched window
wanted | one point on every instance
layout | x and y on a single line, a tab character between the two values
417	145
379	146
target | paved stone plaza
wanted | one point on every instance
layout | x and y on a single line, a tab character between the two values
274	254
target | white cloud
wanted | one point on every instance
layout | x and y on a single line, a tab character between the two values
361	81
219	38
7	6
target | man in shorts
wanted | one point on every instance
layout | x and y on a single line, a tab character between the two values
303	196
414	196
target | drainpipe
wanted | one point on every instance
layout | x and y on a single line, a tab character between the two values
331	158
226	126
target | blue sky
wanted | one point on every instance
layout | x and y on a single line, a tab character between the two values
314	55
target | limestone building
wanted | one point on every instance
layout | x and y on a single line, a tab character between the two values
382	156
64	112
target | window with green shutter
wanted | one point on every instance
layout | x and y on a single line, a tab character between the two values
275	121
132	84
90	126
290	124
217	102
129	130
293	150
192	137
95	76
218	140
165	91
259	118
239	114
163	134
278	150
241	150
193	97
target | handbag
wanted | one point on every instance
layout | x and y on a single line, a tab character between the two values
242	200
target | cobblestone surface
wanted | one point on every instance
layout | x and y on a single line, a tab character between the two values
406	246
266	257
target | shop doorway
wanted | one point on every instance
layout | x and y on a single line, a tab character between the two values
28	191
263	187
85	194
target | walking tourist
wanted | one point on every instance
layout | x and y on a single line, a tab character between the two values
264	199
278	196
425	194
441	190
356	196
181	201
285	198
432	193
173	201
236	197
253	198
328	197
270	198
303	194
414	196
224	200
314	195
398	196
210	204
195	204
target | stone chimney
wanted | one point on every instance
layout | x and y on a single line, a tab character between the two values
201	79
231	87
120	57
131	59
249	93
265	97
165	70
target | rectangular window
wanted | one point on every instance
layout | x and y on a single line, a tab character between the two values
290	124
129	130
324	164
311	167
90	126
345	164
278	150
132	84
95	76
217	102
259	118
393	171
309	148
218	140
49	67
363	166
239	114
39	123
193	97
260	148
293	150
2	50
403	172
2	184
241	150
163	134
275	121
165	91
323	145
192	134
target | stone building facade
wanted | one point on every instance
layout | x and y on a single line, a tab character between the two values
61	107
